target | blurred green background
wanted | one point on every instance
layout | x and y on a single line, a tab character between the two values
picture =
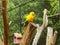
18	9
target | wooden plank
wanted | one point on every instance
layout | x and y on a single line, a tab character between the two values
5	21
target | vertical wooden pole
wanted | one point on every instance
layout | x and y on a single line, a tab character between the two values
49	35
51	38
5	21
54	38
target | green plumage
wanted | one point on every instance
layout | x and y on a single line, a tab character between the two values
25	23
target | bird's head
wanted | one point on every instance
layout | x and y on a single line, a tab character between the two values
32	13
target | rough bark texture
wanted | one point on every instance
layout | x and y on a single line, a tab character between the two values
28	35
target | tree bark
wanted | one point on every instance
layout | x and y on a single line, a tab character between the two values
49	35
54	37
51	38
28	35
5	21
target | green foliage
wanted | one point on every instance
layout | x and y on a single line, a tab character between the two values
17	14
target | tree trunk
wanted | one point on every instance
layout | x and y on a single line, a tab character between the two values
28	35
5	20
49	36
54	37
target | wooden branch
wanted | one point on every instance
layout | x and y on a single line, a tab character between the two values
10	23
5	21
28	35
40	28
45	19
49	35
37	36
58	14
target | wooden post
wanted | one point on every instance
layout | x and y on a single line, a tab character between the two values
5	21
54	37
28	35
49	36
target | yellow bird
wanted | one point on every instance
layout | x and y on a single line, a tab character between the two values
29	18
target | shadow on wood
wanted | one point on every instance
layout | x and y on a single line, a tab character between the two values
28	34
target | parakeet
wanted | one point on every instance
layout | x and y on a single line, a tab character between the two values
29	18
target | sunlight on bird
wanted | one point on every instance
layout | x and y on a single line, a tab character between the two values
30	17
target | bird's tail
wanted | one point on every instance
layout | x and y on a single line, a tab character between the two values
25	23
